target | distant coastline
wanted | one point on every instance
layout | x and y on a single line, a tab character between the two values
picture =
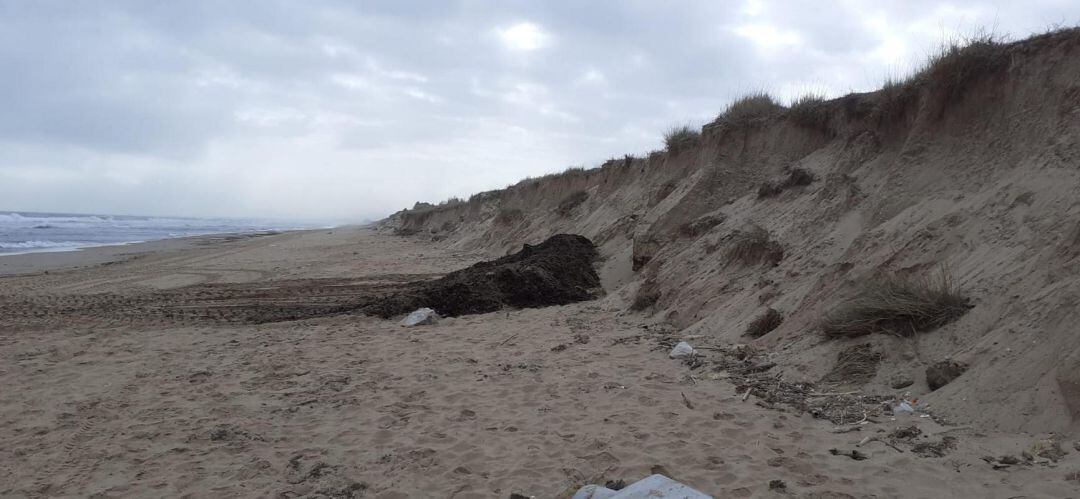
23	232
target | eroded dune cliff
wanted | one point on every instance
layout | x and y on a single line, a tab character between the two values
971	167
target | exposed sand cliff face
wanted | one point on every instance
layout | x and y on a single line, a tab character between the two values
977	170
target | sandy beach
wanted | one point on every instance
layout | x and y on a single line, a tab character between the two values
536	402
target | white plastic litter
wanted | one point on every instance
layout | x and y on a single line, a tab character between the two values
420	317
652	487
902	407
682	351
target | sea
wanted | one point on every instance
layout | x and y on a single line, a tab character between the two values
30	232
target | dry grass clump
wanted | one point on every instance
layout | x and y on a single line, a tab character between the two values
799	177
680	138
795	177
750	109
507	216
810	111
855	366
662	193
949	73
754	246
700	225
567	205
896	94
481	197
770	189
654	157
647	296
958	64
898	305
764	323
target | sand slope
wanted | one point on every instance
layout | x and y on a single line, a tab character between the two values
978	177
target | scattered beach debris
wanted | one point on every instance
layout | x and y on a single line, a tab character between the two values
1045	452
618	484
749	370
935	449
1048	448
420	317
306	474
655	486
1007	461
942	373
682	350
854	454
778	485
875	438
905	433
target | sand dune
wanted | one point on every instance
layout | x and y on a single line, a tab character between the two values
969	166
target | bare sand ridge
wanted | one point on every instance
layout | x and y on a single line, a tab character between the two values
533	401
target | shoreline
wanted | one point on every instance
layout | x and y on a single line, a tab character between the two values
65	249
29	262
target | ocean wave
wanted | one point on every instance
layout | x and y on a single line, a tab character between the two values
20	218
40	244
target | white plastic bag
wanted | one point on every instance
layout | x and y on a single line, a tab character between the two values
652	487
420	317
682	350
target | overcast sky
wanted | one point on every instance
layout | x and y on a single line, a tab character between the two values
354	109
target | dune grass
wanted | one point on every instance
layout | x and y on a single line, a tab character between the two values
959	63
571	201
753	245
647	295
810	111
948	73
897	305
507	216
680	138
764	323
796	177
699	226
750	109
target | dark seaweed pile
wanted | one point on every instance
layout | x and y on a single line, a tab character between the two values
557	271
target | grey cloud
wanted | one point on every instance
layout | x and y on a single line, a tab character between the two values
402	100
